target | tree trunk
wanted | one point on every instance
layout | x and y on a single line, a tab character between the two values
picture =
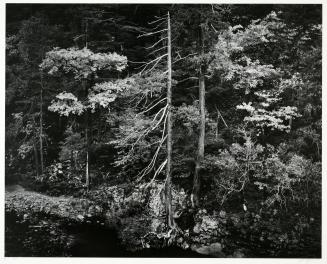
200	154
169	210
41	126
217	127
36	160
87	176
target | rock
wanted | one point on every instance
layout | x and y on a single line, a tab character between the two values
185	245
80	217
214	249
197	228
180	240
238	254
28	202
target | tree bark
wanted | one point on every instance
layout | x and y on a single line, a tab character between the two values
87	176
36	160
200	152
41	126
169	210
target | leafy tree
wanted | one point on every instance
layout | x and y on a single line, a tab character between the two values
83	65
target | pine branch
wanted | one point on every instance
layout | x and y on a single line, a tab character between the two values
158	20
155	61
157	172
152	33
149	129
163	138
150	166
164	47
155	44
152	106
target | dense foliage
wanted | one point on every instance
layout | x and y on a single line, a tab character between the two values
84	92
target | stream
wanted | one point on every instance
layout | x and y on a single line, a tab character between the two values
44	236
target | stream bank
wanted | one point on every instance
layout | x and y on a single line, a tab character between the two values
42	225
39	235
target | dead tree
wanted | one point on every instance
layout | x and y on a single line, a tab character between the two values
164	113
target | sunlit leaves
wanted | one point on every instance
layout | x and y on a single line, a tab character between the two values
81	62
67	104
230	59
274	119
104	93
266	113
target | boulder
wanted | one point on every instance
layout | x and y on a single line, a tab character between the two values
214	249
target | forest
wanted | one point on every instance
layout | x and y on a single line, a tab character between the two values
163	130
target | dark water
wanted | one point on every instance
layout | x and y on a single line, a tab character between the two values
42	236
32	237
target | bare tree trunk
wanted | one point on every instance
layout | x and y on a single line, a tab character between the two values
217	126
87	176
200	154
169	210
41	126
36	160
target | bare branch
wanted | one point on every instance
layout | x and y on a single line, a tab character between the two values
155	44
159	24
149	129
194	86
189	78
154	60
163	138
150	166
152	33
157	172
214	28
164	47
152	106
184	57
219	115
138	102
155	21
157	60
156	63
164	112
